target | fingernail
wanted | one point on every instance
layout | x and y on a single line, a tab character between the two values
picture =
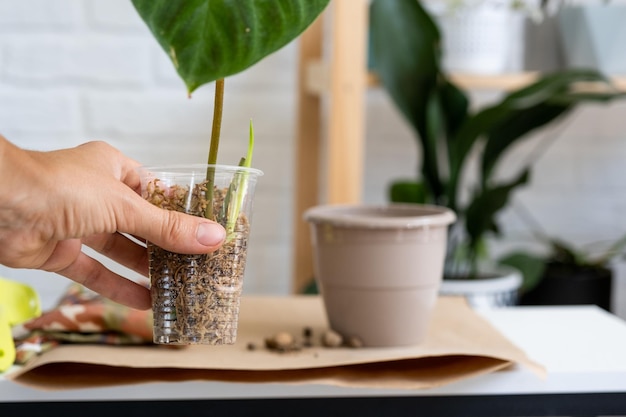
210	234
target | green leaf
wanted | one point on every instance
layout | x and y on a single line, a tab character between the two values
530	266
565	253
434	130
552	84
455	106
408	192
515	127
535	106
480	214
519	113
405	55
617	248
405	48
461	144
310	288
212	39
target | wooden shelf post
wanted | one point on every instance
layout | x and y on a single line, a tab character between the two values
344	141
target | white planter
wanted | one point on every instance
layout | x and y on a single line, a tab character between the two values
482	39
500	290
594	36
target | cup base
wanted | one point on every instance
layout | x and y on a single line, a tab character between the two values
224	339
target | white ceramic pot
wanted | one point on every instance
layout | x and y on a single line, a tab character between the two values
480	39
378	268
500	289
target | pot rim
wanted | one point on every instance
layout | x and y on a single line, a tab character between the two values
199	169
372	216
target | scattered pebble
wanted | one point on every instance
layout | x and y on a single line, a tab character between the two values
307	334
281	341
285	341
354	342
332	339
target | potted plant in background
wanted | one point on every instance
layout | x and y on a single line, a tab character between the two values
196	297
406	56
564	274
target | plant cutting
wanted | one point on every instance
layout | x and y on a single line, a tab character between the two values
406	56
196	297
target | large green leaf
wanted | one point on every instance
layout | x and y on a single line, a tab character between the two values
405	55
212	39
481	212
537	105
405	48
434	129
455	105
553	84
514	128
519	113
551	88
460	145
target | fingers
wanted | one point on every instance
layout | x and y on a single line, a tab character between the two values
170	230
93	275
120	249
173	231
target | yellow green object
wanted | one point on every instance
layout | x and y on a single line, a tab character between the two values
18	303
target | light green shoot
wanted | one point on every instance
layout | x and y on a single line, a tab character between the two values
238	189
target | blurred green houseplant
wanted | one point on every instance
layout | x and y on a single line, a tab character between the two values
406	56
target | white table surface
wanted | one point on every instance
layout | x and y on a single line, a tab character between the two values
582	347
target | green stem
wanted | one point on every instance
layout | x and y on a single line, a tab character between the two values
215	142
217	120
241	183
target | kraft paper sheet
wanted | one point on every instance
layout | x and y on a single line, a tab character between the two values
460	345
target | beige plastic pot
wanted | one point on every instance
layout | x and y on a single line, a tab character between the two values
378	268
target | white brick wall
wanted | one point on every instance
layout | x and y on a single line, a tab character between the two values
77	70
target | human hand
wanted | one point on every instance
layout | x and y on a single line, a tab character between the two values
51	203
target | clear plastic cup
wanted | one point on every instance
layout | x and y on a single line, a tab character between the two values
195	298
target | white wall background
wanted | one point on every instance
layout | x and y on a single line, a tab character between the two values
78	70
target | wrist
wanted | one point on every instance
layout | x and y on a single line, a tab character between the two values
16	166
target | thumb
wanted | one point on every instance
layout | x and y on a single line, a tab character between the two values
174	231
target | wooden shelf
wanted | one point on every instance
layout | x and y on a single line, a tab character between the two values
318	80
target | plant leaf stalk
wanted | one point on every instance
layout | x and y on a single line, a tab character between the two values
215	142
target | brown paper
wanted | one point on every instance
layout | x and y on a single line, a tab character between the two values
460	344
